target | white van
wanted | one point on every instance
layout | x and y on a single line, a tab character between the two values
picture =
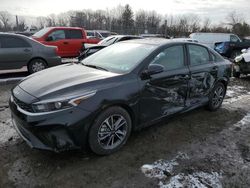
210	39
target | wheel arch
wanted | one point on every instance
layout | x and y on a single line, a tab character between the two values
123	105
33	58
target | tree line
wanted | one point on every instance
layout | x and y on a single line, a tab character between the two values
123	20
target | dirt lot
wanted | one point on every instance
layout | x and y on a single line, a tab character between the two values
196	149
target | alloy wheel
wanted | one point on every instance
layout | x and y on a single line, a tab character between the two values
218	96
112	131
38	66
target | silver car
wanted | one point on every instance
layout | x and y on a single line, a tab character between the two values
18	51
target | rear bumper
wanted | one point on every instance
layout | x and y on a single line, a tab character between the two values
54	61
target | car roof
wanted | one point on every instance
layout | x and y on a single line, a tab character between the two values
159	41
64	28
12	34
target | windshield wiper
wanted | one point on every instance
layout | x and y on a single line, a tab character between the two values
96	67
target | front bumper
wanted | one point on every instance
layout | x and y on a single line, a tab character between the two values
57	131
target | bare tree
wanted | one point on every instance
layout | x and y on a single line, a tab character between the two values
234	18
5	18
206	25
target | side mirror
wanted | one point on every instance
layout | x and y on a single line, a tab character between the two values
153	69
50	38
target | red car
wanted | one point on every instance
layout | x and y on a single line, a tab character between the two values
69	40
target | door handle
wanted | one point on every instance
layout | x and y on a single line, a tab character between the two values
65	43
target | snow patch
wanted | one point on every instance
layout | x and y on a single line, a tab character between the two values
245	122
163	171
162	168
195	180
235	94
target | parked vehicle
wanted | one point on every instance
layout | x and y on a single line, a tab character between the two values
69	40
185	39
210	39
231	49
124	87
98	34
91	49
154	36
242	63
17	51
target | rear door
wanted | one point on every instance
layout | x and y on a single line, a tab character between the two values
15	52
74	41
203	74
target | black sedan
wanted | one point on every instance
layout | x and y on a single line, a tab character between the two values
18	51
121	88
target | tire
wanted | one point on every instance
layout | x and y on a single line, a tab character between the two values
36	65
106	138
216	97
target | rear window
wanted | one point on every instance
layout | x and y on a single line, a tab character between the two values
13	42
73	34
198	55
216	57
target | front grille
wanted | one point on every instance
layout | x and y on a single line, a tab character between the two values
23	105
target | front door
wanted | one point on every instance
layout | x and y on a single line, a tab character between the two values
165	93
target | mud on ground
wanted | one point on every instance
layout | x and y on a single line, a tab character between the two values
199	148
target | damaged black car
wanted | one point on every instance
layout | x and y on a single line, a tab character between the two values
98	103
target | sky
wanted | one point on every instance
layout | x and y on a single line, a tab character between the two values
216	10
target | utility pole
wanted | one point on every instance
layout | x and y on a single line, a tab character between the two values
17	24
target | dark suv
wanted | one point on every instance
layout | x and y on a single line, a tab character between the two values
124	87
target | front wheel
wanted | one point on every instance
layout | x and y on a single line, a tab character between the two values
216	97
110	131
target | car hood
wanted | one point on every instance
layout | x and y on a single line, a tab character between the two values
64	79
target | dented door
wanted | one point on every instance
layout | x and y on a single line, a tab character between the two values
165	93
203	74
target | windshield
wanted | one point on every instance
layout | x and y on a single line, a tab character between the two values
41	32
108	41
120	57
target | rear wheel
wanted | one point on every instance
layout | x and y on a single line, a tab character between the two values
216	97
36	65
110	131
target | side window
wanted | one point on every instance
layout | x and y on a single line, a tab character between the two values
13	42
57	35
73	34
171	58
198	55
233	38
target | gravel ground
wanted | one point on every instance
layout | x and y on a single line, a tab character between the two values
196	149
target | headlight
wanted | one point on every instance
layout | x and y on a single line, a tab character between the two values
47	106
